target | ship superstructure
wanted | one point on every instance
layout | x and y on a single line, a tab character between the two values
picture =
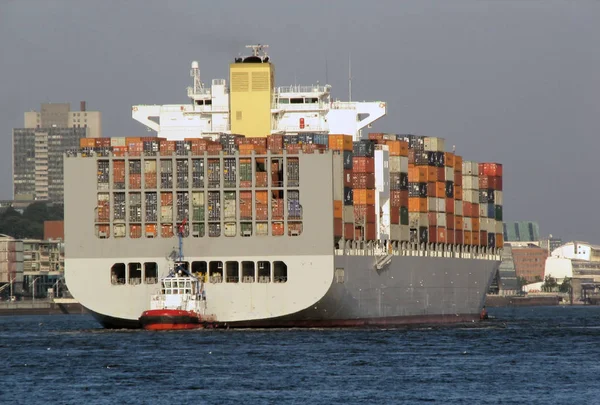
241	107
294	229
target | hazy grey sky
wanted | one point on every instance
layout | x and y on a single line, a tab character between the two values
516	82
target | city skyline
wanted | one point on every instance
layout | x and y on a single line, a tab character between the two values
512	82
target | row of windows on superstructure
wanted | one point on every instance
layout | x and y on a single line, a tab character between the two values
210	272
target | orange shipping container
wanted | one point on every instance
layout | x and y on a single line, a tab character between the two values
449	159
475	238
277	229
119	171
262	197
87	142
262	212
417	174
135	231
440	189
437	234
166	199
135	181
483	238
261	179
458	160
340	142
441	174
416	204
338	210
432	173
349	231
458	192
151	230
475	224
166	231
467	240
364	197
458	223
499	240
394	147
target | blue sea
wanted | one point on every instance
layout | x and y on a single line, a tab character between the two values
533	355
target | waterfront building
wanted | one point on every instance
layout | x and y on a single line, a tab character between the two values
39	146
521	231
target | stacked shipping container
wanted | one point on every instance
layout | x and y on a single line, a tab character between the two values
434	197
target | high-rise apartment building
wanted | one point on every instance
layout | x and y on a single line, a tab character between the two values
38	148
521	231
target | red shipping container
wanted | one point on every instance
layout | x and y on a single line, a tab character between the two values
450	221
395	215
362	180
450	236
376	136
491	169
277	229
275	142
363	164
370	231
432	217
467	238
458	237
262	212
135	181
404	198
364	213
338	227
277	209
349	231
458	178
396	198
483	238
450	205
261	179
348	178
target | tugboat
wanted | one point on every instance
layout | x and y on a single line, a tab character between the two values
181	301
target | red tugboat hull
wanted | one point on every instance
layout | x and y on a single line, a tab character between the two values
172	319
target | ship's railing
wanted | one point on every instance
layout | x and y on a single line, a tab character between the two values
441	250
198	92
301	89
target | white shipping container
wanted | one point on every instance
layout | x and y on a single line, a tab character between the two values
417	219
467	224
396	164
470	168
229	209
166	213
117	141
449	173
440	219
483	211
262	229
436	204
499	227
348	214
119	230
150	166
470	182
498	198
103	197
458	208
399	232
230	229
404	164
197	198
434	144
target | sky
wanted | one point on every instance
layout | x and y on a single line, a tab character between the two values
509	81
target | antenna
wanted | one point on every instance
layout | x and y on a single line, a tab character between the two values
257	49
349	76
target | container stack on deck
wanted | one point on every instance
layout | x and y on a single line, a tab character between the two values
388	187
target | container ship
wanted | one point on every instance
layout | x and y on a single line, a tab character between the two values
290	215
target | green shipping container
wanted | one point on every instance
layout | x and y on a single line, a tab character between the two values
198	229
403	215
245	171
246	228
198	213
498	212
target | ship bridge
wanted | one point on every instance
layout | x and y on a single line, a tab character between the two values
293	110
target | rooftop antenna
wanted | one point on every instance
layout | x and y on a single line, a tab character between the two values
349	76
257	49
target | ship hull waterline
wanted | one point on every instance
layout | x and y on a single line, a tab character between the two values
398	296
